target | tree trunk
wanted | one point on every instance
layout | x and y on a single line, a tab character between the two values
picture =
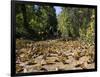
23	8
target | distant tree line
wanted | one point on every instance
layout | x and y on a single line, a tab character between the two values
41	22
77	22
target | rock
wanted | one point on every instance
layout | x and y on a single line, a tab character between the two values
25	57
70	59
50	67
31	62
53	55
90	66
52	59
49	62
23	63
22	55
32	68
84	59
39	60
19	68
22	50
62	67
84	65
43	62
77	68
44	69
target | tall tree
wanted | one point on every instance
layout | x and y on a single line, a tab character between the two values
19	21
68	22
23	8
48	19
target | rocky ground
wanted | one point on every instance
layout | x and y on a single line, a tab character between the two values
53	55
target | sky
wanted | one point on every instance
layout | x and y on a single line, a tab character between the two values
58	9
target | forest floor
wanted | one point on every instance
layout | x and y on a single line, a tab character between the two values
53	55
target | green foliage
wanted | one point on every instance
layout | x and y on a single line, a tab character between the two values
19	23
35	21
87	31
41	22
68	22
91	31
76	22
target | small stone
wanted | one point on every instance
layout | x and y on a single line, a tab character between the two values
19	68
